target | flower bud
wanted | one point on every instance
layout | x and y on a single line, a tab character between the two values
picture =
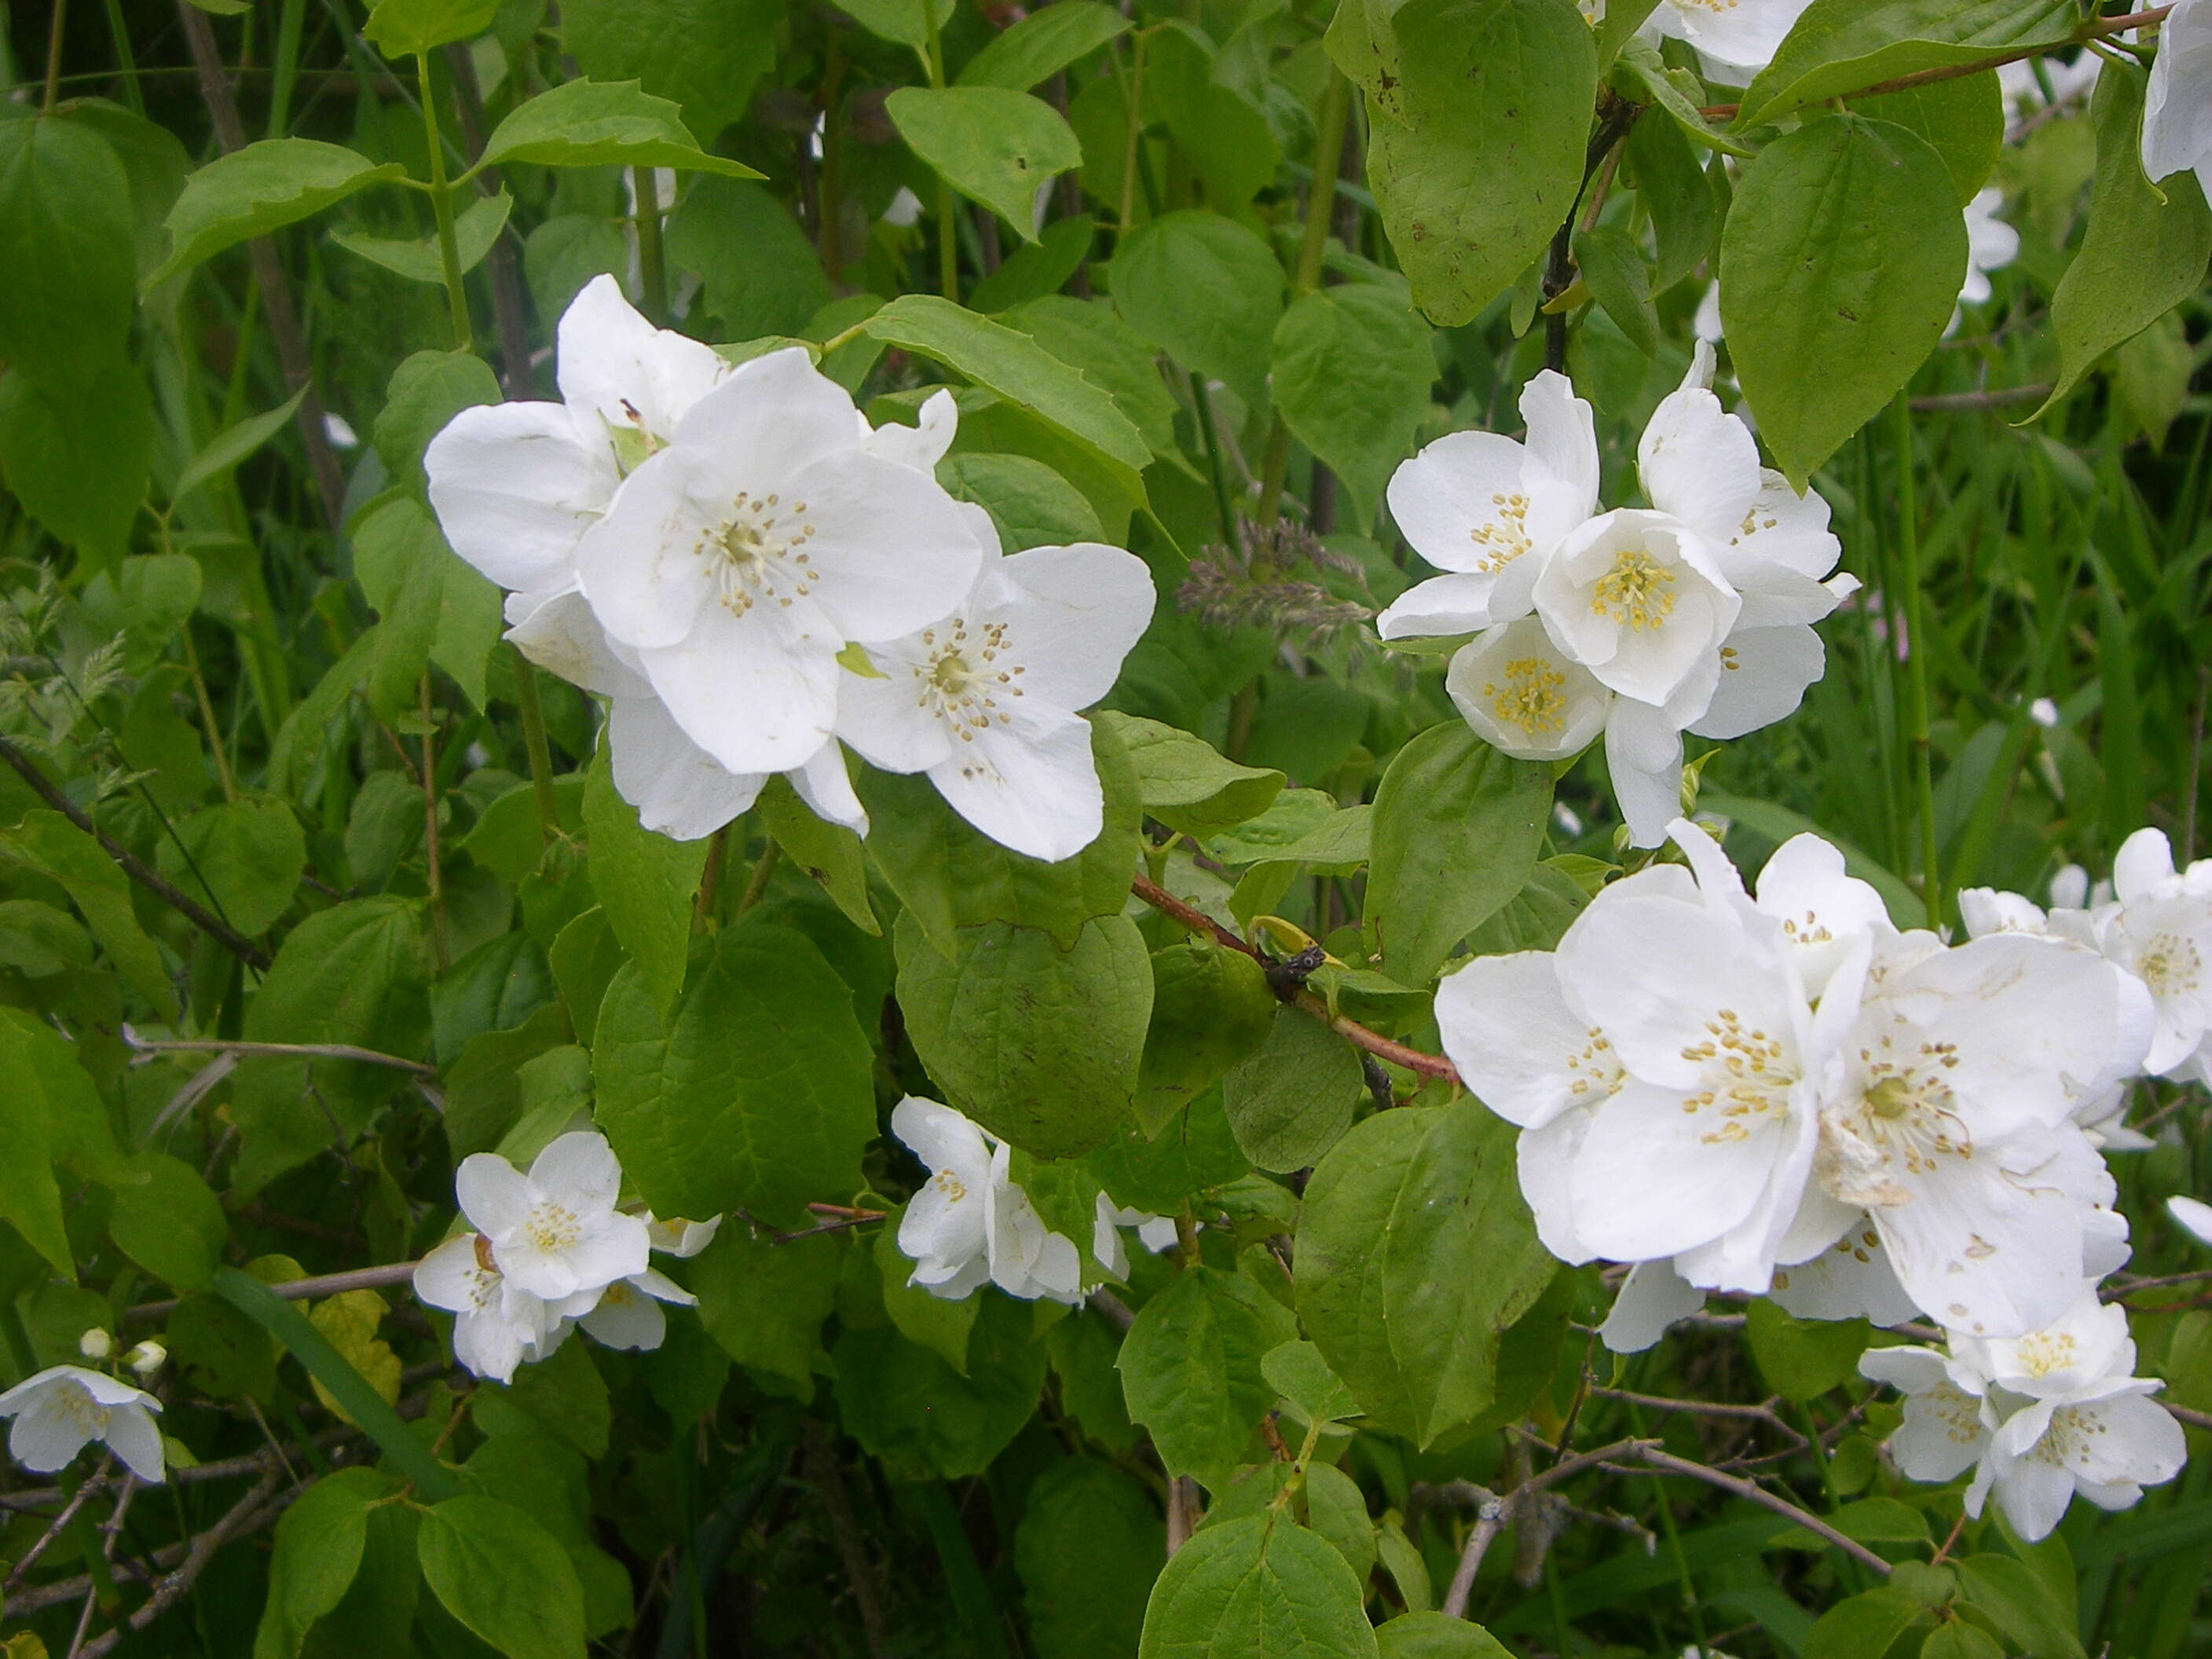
95	1344
147	1358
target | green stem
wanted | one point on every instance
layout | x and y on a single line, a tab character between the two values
948	233
534	745
287	63
652	268
434	872
1224	499
1916	665
132	92
756	884
441	204
54	30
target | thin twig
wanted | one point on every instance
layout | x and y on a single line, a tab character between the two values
297	1290
1664	1462
132	865
1943	402
1494	1516
257	1509
150	1048
94	1482
1374	1042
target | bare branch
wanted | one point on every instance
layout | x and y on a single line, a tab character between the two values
1665	1463
297	1290
1493	1517
151	1048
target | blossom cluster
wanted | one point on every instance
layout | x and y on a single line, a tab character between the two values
552	1252
750	573
972	1224
2038	1418
1694	614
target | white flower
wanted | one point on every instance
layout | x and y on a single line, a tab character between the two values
2040	1417
1635	597
1489	511
1735	38
1155	1233
555	1231
627	1313
61	1410
495	1326
1705	323
146	1358
679	1237
2177	129
984	698
739	561
970	1223
1991	244
2160	930
95	1343
1525	696
2194	1215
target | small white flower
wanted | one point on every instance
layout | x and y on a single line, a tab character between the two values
626	1314
1155	1233
2160	930
2177	128
95	1343
2044	712
1525	696
2194	1215
1489	511
1705	324
1991	245
496	1325
65	1408
1735	38
905	209
1635	597
555	1231
2038	1419
146	1358
984	698
739	561
679	1237
340	432
970	1223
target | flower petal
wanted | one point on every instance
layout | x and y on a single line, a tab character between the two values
1071	615
772	418
560	634
1508	1030
1763	674
1029	784
578	1171
890	550
1462	505
827	789
494	1195
679	788
133	1437
650	567
756	690
1653	1179
1563	467
515	486
1699	462
1651	1299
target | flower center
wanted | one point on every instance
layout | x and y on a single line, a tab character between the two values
1506	540
1637	593
963	675
951	1186
1530	701
2171	966
757	552
1747	1077
2068	1438
75	1402
552	1227
2045	1352
1594	1070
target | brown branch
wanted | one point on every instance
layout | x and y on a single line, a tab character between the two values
253	1511
269	277
278	1050
1947	402
132	865
1665	1463
2101	28
1374	1042
298	1289
1495	1515
818	1467
2194	1420
96	1482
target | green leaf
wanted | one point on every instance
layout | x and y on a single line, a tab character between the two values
1088	1548
1336	1509
1205	291
348	1389
765	1303
708	55
1019	370
645	882
167	1221
1260	1585
65	242
1293	1100
907	1406
1457	830
1190	1367
476	228
425	392
949	875
1224	130
50	844
1090	338
1038	270
30	1197
1962	121
2144	250
758	273
414	28
54	1090
1212	1011
1960	1640
1839	46
1613	270
1185	782
1435	1636
1298	1373
1040	1045
254	190
1863	1626
564	1396
993	145
1801	1359
1351	371
589	124
73	450
243	860
504	1576
38	940
1840	264
2019	1603
829	853
755	1096
1476	154
1031	505
1041	44
1870	1520
319	1542
434	606
1415	1252
233	445
908	22
1672	183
